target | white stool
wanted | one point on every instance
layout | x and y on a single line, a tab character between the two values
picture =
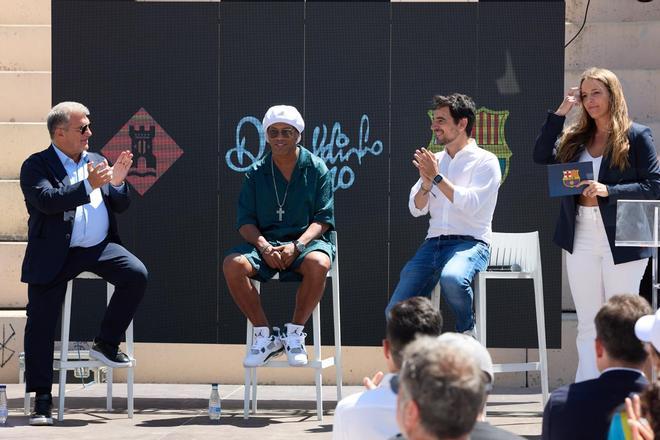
511	249
316	362
63	364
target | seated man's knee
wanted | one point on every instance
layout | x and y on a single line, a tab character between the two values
233	266
451	282
315	264
138	275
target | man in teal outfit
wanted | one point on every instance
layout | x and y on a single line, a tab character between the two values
285	211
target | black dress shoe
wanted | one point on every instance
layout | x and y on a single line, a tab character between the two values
109	354
43	406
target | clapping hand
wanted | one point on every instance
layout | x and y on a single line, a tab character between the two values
372	383
121	167
99	174
426	163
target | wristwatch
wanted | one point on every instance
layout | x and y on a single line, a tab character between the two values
299	246
437	179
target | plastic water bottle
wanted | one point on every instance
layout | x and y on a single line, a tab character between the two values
215	405
3	404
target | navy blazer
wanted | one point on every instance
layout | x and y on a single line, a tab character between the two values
51	203
583	410
641	180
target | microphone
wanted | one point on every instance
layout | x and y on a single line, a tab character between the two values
505	268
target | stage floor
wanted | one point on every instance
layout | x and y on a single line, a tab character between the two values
179	411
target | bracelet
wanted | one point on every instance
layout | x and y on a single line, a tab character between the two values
265	249
426	191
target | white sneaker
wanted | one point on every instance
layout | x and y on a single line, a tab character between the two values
263	349
294	346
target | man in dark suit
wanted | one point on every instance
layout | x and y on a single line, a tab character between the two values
71	197
583	410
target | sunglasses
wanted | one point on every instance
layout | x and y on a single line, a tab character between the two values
286	133
82	129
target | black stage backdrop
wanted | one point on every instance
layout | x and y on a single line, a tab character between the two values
186	85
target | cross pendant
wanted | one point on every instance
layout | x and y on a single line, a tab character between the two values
280	213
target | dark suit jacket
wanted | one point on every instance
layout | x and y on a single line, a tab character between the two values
486	431
51	203
641	180
583	410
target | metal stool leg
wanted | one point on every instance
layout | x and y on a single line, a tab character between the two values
316	322
64	349
540	329
254	390
131	372
336	312
26	404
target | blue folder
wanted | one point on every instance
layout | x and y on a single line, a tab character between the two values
563	178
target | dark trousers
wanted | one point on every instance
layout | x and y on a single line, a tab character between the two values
110	261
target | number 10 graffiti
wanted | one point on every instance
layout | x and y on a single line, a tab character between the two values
332	146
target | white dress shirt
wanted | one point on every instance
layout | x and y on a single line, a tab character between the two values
367	415
476	176
91	223
624	369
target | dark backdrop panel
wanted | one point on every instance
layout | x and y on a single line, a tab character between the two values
494	55
346	84
261	63
116	58
206	73
523	73
434	51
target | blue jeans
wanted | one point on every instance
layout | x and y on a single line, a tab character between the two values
453	262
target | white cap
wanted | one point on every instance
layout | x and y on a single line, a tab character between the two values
647	329
285	114
475	348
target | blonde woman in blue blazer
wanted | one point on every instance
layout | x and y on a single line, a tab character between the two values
625	166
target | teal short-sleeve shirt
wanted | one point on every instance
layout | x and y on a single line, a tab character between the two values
307	198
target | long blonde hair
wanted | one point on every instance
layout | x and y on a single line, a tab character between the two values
581	132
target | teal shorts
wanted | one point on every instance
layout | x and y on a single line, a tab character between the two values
265	272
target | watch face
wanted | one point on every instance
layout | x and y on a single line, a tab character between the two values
437	179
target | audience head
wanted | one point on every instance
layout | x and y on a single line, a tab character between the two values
647	329
479	353
440	390
616	343
407	319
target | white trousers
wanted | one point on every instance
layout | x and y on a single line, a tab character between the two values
594	278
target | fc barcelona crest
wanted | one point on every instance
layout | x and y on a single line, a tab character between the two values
571	178
488	131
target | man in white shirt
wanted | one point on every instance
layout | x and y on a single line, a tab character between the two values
372	414
458	188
